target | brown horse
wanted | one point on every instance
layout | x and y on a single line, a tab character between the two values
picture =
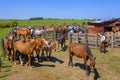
81	51
48	48
8	45
22	32
27	47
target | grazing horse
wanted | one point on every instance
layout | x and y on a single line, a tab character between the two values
61	41
27	48
81	51
8	45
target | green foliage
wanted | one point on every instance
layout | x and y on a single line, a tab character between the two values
37	23
37	18
6	23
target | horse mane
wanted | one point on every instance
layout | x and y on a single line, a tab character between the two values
89	52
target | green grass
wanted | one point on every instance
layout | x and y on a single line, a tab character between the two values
4	32
44	22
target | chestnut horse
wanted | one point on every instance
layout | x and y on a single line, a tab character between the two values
22	32
8	45
48	48
81	51
27	47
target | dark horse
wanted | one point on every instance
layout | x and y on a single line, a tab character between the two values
61	41
81	51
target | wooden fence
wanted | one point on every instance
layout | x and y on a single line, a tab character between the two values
54	35
94	40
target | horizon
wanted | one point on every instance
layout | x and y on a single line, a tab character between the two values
60	9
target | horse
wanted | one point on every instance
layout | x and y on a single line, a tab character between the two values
48	48
22	32
8	46
27	48
81	51
61	40
39	32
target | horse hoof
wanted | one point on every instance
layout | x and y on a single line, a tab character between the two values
74	68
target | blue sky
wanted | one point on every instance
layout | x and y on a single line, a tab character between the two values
67	9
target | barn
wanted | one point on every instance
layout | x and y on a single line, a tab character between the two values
103	26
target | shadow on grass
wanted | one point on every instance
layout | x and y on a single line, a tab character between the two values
52	59
41	65
6	66
81	66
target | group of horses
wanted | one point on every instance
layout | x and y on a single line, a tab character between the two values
17	47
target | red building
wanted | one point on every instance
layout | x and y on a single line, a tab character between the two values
103	26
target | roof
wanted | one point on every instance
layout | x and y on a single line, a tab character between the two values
104	22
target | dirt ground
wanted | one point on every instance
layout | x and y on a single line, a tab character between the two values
57	69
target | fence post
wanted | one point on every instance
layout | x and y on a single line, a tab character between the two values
112	41
54	35
86	38
96	37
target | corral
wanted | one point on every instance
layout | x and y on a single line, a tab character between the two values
58	69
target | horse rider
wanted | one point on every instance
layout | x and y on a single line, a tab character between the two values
103	43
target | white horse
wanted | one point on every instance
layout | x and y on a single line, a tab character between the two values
39	32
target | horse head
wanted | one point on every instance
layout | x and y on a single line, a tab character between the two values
10	41
40	41
92	63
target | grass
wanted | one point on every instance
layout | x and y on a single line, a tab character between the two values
108	64
5	66
38	23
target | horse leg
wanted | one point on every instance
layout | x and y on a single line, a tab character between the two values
29	60
61	46
37	53
42	55
47	55
70	60
14	55
50	54
85	66
20	58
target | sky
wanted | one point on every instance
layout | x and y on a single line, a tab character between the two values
64	9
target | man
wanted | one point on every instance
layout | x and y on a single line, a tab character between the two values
103	43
